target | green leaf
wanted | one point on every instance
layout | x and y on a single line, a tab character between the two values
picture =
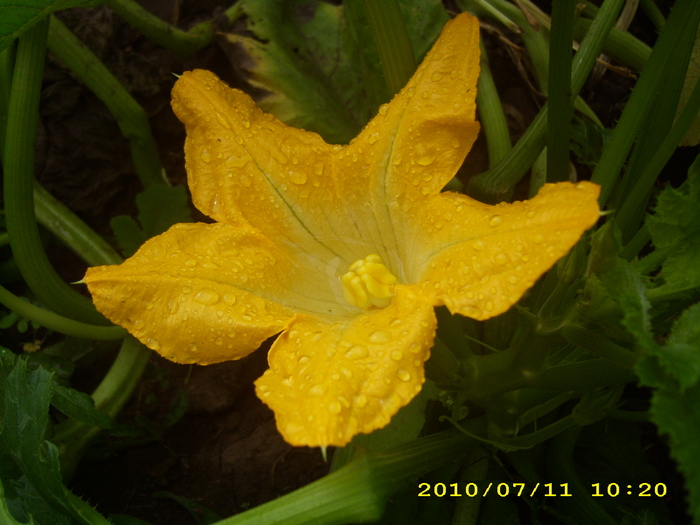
26	400
79	406
317	62
159	208
6	516
675	232
201	514
16	16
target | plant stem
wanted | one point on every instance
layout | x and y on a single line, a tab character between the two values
58	323
559	89
75	234
392	41
497	183
181	42
131	118
358	491
491	115
23	116
683	20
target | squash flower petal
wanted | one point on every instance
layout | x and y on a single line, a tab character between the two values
343	250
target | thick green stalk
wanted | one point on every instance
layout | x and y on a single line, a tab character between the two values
683	19
58	323
74	233
131	118
358	491
392	41
181	42
23	116
654	14
497	183
560	99
599	345
491	115
636	199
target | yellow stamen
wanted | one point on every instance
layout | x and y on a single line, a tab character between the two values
368	282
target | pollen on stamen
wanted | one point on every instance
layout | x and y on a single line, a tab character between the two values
368	283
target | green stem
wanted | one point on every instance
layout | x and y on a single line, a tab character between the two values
599	345
493	119
683	20
560	99
77	235
58	323
639	241
636	200
357	492
130	116
654	14
562	468
23	116
392	41
497	183
181	42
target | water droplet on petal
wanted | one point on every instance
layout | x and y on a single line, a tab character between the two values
396	355
207	297
246	124
403	374
317	390
153	344
436	76
538	239
379	337
426	160
383	109
186	289
334	407
357	352
190	263
496	220
501	258
361	401
138	324
298	177
205	156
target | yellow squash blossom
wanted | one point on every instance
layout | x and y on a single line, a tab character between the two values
345	250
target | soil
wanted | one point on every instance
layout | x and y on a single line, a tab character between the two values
222	449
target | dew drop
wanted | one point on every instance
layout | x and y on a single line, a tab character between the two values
318	168
425	160
190	263
436	76
538	239
383	109
489	306
496	220
513	279
397	159
397	355
207	297
403	374
153	344
361	401
138	324
334	407
317	390
303	360
246	124
501	258
186	289
379	337
298	177
357	352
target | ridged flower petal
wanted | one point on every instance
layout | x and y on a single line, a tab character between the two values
198	293
328	382
480	259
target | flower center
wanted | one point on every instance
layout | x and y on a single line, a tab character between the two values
368	282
